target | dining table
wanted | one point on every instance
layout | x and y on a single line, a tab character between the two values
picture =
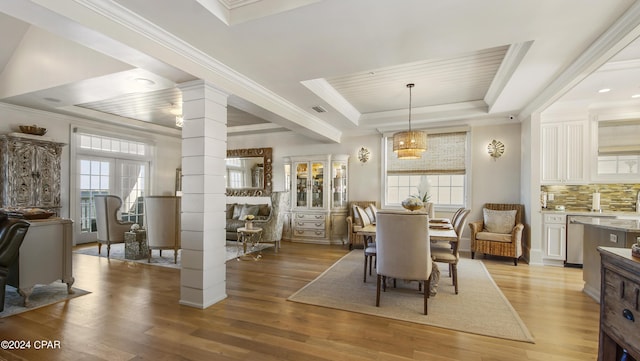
440	229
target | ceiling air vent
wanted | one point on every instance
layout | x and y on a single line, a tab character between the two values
319	109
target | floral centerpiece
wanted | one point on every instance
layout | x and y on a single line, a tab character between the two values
248	224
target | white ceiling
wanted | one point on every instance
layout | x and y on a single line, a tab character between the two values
471	61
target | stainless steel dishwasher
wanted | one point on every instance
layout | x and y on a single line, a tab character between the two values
575	241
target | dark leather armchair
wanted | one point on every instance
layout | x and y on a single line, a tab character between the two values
12	232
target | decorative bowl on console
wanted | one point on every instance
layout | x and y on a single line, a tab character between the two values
28	213
33	129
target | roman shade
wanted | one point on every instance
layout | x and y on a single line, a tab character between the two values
446	155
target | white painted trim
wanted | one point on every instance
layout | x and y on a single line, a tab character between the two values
625	30
510	63
225	77
329	94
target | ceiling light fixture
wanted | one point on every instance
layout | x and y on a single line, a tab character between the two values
412	143
635	96
604	90
144	81
179	121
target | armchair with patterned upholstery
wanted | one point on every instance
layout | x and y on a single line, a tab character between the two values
500	231
354	224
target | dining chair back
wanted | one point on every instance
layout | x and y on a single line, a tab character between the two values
403	251
449	253
163	224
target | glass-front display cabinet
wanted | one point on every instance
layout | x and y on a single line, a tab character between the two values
310	184
318	198
338	184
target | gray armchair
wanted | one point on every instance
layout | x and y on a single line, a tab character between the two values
110	227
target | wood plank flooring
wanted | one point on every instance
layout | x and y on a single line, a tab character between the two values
133	314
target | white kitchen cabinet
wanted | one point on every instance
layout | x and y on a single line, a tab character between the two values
565	152
555	239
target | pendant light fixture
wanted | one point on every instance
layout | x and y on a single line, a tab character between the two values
412	143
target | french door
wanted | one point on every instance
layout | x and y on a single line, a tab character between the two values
128	179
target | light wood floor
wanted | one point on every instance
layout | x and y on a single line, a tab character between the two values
133	314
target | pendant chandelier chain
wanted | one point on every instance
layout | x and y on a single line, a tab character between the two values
410	86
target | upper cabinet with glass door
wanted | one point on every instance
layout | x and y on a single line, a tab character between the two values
339	183
319	182
309	184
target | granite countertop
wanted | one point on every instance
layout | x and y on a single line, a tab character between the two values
627	225
579	212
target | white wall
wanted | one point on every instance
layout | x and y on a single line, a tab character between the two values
168	149
364	179
491	181
494	180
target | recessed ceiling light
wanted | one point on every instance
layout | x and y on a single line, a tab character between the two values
635	96
604	90
144	81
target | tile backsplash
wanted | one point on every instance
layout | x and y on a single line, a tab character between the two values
613	197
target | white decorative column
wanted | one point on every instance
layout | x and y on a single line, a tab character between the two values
204	149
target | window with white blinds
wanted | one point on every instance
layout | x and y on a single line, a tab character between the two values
440	172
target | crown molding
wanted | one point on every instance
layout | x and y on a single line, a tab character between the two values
240	11
424	115
615	38
213	70
329	94
509	65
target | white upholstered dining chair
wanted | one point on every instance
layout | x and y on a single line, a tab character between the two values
162	215
403	250
447	252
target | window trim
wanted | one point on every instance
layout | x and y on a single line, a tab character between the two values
468	167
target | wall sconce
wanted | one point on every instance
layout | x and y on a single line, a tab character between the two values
495	149
364	154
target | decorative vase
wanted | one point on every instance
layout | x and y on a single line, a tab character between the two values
248	225
412	204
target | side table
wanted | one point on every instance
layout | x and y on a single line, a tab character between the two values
135	245
252	236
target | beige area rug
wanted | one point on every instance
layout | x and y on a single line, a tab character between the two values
479	308
117	253
43	295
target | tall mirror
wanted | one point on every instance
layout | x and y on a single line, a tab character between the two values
249	172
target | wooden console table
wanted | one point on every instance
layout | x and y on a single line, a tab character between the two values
619	305
44	257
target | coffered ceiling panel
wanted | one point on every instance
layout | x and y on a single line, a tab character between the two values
438	81
279	59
